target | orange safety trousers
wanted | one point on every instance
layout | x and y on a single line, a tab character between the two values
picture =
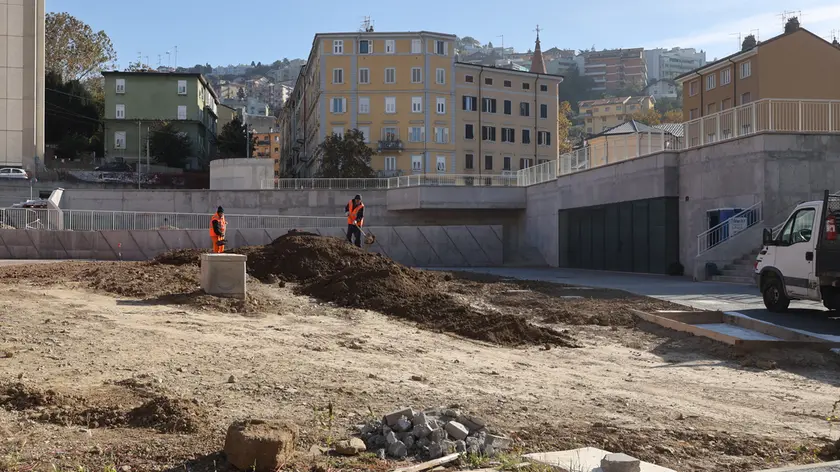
217	247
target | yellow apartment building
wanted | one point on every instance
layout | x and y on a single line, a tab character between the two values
506	120
603	114
630	140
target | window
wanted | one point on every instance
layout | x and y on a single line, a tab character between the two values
543	88
390	46
441	135
507	83
726	104
507	106
469	131
508	135
526	136
119	140
120	85
338	76
692	114
710	81
725	76
488	105
543	111
746	69
441	48
390	75
799	227
120	112
364	105
390	163
416	46
524	109
441	106
389	133
390	104
416	134
745	98
338	105
488	81
468	161
468	79
338	130
338	46
469	103
365	46
416	163
526	86
692	88
711	108
525	163
441	163
488	133
440	76
416	75
416	104
506	163
182	112
364	76
488	162
182	87
544	138
365	130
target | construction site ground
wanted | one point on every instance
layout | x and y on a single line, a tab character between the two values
128	365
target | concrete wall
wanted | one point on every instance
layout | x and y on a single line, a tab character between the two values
423	246
240	174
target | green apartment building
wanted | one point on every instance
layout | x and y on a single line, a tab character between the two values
135	103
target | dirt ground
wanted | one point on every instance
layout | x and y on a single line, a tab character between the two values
129	365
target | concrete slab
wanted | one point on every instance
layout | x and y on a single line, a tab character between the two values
468	246
177	240
421	248
48	244
489	243
249	237
446	250
224	275
585	459
395	247
833	466
124	245
150	243
20	245
4	251
377	246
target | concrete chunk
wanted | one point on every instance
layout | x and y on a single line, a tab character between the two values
263	445
223	275
457	430
620	463
392	418
497	441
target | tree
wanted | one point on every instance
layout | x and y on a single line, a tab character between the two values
345	156
649	117
791	25
575	88
70	111
666	104
253	64
563	126
73	49
137	67
232	142
749	43
836	43
673	116
169	145
72	146
240	94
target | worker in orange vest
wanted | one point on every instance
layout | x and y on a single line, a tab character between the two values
218	226
355	211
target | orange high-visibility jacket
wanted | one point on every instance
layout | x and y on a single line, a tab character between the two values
222	225
353	212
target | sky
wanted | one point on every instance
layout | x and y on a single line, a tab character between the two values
222	32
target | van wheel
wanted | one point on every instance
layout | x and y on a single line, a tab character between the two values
775	298
831	298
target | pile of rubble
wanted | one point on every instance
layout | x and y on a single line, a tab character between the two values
430	434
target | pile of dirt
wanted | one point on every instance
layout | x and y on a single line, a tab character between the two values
179	257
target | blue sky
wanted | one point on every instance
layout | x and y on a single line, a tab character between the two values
224	31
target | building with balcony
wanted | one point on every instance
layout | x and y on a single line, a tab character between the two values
614	69
797	65
267	146
665	65
136	102
606	113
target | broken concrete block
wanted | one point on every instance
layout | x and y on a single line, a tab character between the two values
261	444
498	441
457	430
397	450
435	451
618	462
223	275
437	435
473	423
422	430
447	446
351	447
460	446
473	445
419	418
392	418
402	425
391	438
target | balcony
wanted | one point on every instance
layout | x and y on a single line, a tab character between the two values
390	145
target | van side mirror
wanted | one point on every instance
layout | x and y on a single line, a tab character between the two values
767	237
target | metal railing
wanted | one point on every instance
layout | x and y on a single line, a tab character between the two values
417	180
730	228
92	220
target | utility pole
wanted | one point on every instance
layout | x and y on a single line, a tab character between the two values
176	57
247	141
503	44
139	151
148	146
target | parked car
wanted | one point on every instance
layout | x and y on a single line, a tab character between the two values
115	167
13	173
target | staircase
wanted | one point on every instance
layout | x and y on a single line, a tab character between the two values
739	271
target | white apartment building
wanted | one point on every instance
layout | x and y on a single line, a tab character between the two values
668	64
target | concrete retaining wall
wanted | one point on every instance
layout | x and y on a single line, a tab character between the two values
422	246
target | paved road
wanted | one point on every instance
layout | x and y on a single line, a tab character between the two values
744	299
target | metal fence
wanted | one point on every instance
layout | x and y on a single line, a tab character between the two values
732	226
457	180
89	220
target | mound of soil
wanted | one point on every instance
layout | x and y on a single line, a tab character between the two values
180	257
168	415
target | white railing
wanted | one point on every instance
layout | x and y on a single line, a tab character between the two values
418	180
91	220
730	228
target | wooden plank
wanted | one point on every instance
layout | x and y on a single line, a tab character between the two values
685	327
430	464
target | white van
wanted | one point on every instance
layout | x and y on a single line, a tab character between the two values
802	262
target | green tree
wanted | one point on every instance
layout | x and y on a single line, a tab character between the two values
666	104
232	142
791	25
72	146
649	117
70	110
169	145
563	125
345	156
673	116
749	43
73	49
575	88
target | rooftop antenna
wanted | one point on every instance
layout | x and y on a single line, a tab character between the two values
176	57
786	15
158	61
503	44
367	25
739	39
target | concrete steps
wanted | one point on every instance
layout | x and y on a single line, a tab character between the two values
740	271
